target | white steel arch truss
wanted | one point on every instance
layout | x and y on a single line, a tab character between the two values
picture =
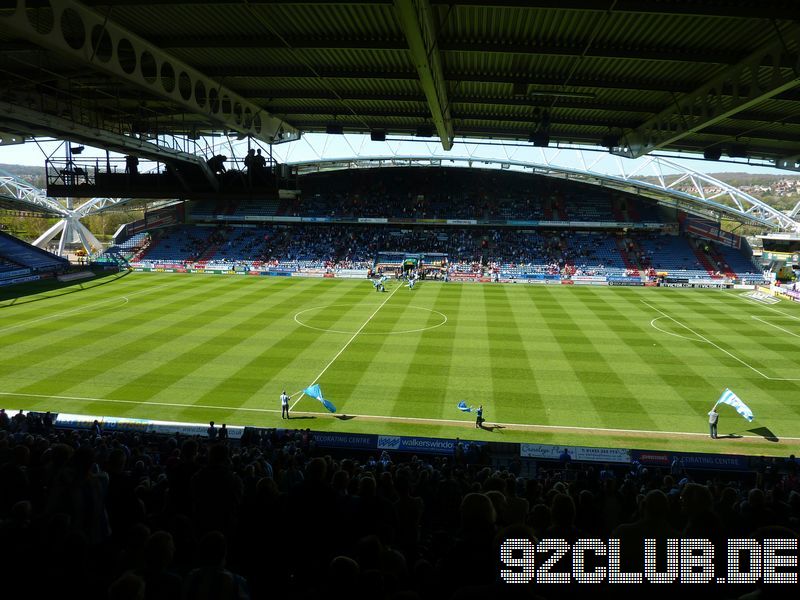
29	197
657	178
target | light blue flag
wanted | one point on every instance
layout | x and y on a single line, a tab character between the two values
728	397
315	392
463	406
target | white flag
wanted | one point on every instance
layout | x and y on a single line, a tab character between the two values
728	397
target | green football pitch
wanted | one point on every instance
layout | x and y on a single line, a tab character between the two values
595	366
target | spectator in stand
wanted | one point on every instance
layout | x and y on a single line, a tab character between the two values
212	431
132	165
217	164
653	522
212	579
160	582
565	459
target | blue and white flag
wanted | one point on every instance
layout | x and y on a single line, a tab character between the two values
728	397
463	407
315	392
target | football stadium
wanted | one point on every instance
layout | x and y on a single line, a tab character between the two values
407	299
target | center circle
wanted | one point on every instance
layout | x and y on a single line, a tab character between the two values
416	324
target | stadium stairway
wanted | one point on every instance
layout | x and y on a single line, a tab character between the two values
145	248
562	210
617	212
547	206
207	254
722	264
623	252
633	212
704	258
635	251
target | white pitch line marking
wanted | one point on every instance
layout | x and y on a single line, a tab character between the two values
375	417
775	326
746	299
707	341
441	314
677	335
338	354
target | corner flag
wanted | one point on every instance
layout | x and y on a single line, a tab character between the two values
315	392
728	397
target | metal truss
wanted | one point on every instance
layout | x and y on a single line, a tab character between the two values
659	179
28	196
69	226
96	40
758	77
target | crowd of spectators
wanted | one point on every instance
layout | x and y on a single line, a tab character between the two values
449	193
90	514
340	246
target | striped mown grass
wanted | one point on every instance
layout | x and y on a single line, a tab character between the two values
598	366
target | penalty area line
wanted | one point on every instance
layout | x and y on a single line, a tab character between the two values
702	338
382	418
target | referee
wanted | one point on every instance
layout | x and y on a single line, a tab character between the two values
284	405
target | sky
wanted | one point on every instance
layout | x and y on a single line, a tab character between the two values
322	146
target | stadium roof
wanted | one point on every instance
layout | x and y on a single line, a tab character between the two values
714	76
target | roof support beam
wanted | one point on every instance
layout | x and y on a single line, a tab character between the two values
749	9
81	34
593	81
416	19
753	80
552	48
66	129
742	9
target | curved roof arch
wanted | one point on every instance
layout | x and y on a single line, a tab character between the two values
659	179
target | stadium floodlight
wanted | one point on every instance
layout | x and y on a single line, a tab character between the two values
76	149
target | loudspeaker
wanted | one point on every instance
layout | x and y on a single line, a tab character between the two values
610	141
712	153
737	151
424	131
334	129
540	139
377	135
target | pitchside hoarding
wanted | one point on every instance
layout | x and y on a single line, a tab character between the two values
577	453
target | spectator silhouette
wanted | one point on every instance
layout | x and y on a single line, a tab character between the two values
653	523
160	582
132	165
216	492
217	164
128	587
212	581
